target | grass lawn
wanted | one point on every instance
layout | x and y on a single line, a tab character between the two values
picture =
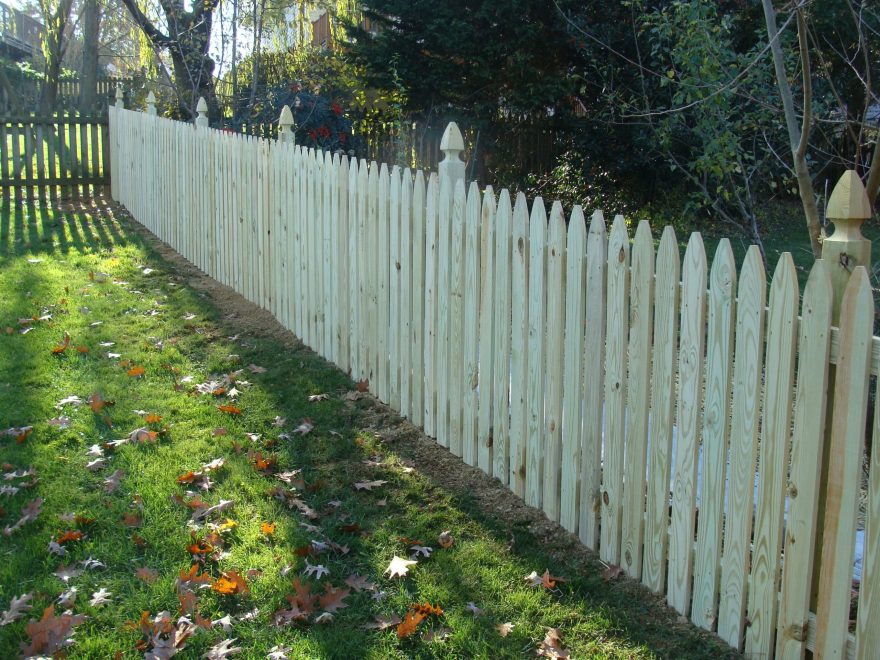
173	396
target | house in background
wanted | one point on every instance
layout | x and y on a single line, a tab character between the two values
19	34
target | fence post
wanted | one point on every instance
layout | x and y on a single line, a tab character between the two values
451	144
120	103
285	126
202	109
151	103
848	207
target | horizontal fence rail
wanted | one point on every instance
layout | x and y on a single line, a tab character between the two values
66	152
668	410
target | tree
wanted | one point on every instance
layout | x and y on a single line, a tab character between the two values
55	15
186	42
854	53
88	76
464	57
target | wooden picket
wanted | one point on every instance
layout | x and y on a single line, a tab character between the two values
662	412
636	398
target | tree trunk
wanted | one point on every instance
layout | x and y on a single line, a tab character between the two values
53	51
88	76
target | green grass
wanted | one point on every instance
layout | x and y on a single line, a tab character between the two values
157	321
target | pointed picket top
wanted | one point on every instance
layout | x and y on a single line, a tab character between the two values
597	225
202	109
849	200
556	234
452	144
151	103
285	125
452	141
120	102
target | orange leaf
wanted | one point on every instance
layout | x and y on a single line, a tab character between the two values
268	528
187	478
219	391
83	520
82	349
97	403
134	372
138	540
23	433
410	622
131	519
70	535
230	583
229	408
363	385
152	418
427	609
62	346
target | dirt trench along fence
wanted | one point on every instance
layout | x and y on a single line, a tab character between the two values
670	412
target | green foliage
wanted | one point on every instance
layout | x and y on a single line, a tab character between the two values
481	59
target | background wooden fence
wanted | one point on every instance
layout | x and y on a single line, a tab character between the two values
664	409
64	153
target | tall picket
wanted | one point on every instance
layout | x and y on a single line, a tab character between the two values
519	349
615	391
501	343
430	379
773	460
845	465
419	287
641	303
457	349
536	354
553	367
395	275
662	412
572	420
443	320
471	332
692	329
485	459
716	434
747	372
405	287
594	384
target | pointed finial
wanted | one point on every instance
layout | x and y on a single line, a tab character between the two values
846	248
151	103
849	200
452	144
120	103
202	109
285	125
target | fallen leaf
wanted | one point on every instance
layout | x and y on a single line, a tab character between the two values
100	597
254	369
152	418
66	573
267	528
504	629
222	650
551	646
67	598
409	624
383	623
363	385
611	572
445	540
230	409
135	371
423	550
399	567
359	583
369	485
278	653
111	483
61	422
17	608
305	427
230	583
60	348
69	536
546	580
316	570
473	609
314	398
331	600
51	633
148	575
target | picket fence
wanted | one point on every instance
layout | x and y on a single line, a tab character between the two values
635	397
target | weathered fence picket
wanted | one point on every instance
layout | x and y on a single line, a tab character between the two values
637	398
